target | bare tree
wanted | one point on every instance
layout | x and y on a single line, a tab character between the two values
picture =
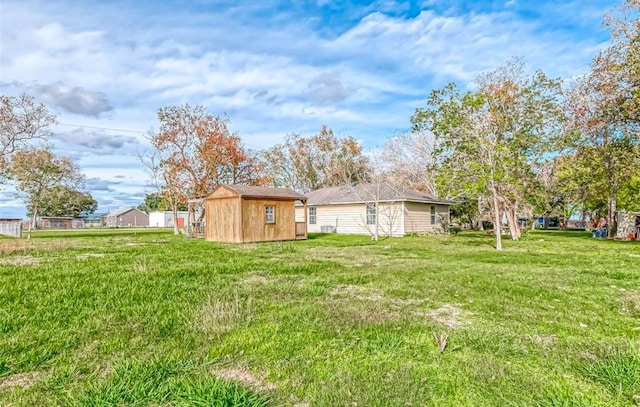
21	121
408	159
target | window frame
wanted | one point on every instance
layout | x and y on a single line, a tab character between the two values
433	214
269	218
370	214
313	217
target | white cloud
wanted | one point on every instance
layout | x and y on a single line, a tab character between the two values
362	70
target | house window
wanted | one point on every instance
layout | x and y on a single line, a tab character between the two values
312	216
371	214
433	215
270	214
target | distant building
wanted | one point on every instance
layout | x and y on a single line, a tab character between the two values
164	219
60	222
126	217
11	227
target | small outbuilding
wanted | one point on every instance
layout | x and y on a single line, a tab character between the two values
164	219
245	214
11	227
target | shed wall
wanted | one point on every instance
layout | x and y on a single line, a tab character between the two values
224	217
254	227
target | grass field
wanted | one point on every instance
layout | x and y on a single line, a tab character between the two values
148	319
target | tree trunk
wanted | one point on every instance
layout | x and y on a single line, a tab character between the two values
497	222
611	218
512	220
174	210
32	224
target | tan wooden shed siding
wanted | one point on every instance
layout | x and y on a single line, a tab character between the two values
223	219
254	227
417	217
351	219
223	192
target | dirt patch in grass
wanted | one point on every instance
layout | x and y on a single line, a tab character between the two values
86	256
256	277
630	303
13	245
219	316
449	316
23	380
368	312
544	340
244	376
21	261
357	292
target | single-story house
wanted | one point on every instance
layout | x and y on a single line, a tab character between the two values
244	214
126	217
360	209
164	219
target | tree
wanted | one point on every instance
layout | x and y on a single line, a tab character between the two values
319	161
197	152
490	140
21	121
157	201
38	172
409	160
64	201
624	51
603	107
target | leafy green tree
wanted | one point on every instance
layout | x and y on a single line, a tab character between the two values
37	172
491	140
64	201
157	201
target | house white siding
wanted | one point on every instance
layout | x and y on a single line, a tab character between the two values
351	219
417	217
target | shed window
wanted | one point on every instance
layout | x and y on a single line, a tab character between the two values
270	214
312	216
371	214
433	215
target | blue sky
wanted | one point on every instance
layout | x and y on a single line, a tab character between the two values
274	67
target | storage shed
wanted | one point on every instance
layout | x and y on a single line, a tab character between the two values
11	227
244	214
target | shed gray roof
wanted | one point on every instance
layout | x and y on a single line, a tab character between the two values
368	193
265	192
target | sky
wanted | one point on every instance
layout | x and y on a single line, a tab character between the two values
104	67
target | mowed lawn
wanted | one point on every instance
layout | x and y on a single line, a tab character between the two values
146	318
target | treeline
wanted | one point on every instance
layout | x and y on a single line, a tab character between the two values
519	144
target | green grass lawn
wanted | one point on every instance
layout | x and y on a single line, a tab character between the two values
113	317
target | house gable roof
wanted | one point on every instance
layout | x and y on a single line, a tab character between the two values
247	191
121	211
368	193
